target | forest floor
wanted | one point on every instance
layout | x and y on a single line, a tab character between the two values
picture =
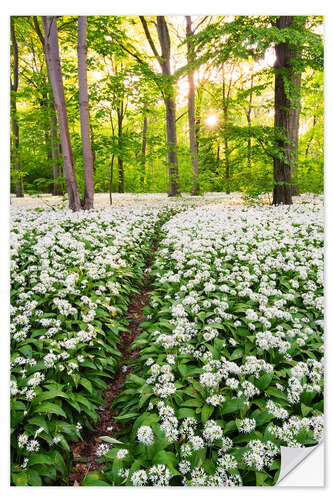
85	452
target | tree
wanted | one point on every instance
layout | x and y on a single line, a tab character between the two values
144	145
15	154
88	201
55	149
54	68
164	60
286	115
191	108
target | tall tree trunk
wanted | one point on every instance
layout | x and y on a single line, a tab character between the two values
294	130
143	148
248	118
88	201
54	68
286	116
191	110
58	188
111	179
170	107
168	93
15	145
225	98
227	165
121	187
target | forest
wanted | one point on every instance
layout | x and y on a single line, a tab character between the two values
166	104
166	248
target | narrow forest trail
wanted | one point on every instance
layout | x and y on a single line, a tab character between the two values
84	452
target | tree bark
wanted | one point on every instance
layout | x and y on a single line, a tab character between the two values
88	201
111	179
225	97
15	143
58	189
294	127
248	118
191	111
120	116
54	68
143	148
286	117
168	96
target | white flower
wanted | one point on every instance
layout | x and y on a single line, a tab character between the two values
145	435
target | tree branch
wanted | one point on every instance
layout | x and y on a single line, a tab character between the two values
149	38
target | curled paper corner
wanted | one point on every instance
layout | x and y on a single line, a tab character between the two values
292	457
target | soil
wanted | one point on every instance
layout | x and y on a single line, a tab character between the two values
84	452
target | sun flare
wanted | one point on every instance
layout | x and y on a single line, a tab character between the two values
212	120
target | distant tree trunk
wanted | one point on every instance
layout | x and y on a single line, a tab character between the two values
15	155
168	96
54	68
111	179
308	147
191	110
88	201
286	116
227	165
120	116
225	97
248	118
143	148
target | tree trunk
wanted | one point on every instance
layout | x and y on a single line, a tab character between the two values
170	105
286	117
54	68
227	165
15	155
294	127
143	149
248	118
172	145
191	111
111	179
121	187
225	98
168	93
58	189
88	201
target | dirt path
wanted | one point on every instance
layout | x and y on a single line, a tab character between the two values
85	451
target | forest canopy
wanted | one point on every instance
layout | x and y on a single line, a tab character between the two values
166	104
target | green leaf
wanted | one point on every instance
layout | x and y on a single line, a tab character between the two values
51	408
206	413
167	458
34	478
51	394
260	478
94	479
20	479
110	440
305	410
40	458
127	416
232	405
185	412
263	382
87	384
237	353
